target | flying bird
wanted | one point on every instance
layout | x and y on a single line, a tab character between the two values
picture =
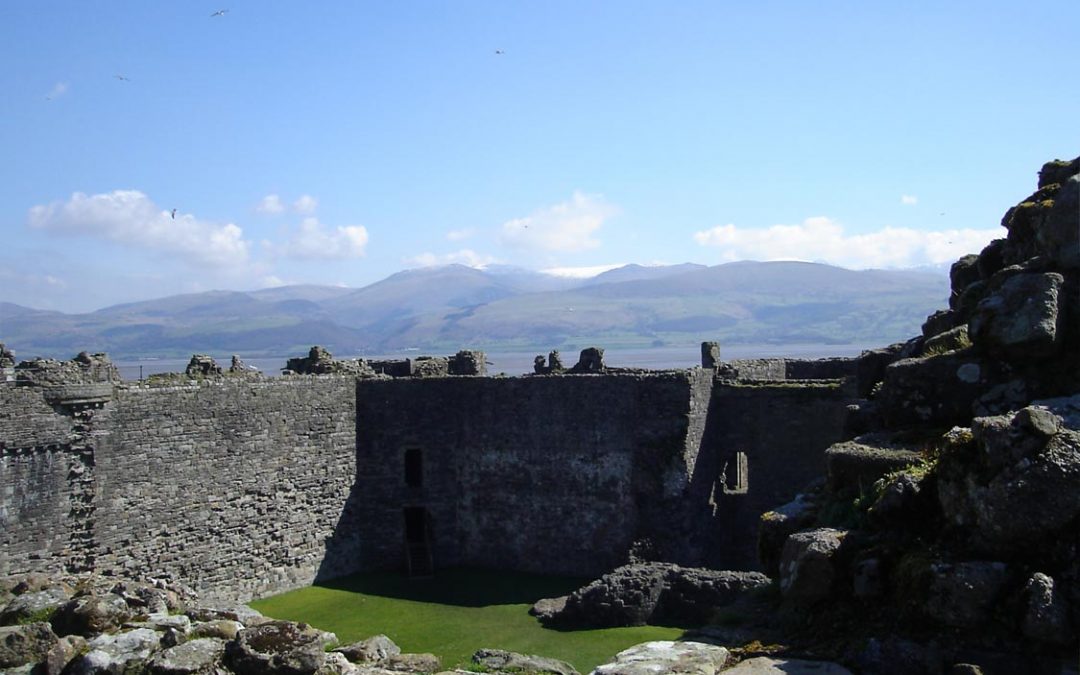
499	51
123	78
220	12
174	214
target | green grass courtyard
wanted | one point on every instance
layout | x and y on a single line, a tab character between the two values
454	614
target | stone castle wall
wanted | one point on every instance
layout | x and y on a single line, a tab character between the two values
546	474
243	487
227	485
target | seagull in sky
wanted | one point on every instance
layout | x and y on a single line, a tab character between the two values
220	12
123	78
174	214
499	51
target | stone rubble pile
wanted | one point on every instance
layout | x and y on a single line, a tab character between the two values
947	530
83	625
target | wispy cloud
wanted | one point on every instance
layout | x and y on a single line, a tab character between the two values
567	227
461	235
909	200
820	239
129	217
306	205
465	256
270	204
58	90
315	241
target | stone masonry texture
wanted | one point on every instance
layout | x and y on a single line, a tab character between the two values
242	488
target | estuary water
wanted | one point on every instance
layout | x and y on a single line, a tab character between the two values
518	363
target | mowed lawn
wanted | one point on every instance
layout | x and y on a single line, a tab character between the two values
454	614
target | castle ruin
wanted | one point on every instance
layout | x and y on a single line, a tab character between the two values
247	486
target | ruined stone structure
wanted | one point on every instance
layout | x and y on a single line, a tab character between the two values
247	486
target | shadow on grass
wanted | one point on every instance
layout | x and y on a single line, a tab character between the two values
463	587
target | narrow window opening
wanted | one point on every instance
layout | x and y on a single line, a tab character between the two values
414	468
416	524
735	475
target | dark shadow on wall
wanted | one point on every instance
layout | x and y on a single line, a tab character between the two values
464	587
721	530
342	555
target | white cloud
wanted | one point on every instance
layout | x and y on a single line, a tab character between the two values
271	281
306	204
130	217
909	200
270	204
821	239
465	257
315	241
580	272
459	235
58	90
568	226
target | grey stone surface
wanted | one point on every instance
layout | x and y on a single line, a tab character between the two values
120	653
1046	614
91	614
202	365
501	660
710	354
854	466
936	390
963	594
780	523
276	648
767	665
412	663
34	605
25	644
376	649
663	657
223	629
1021	320
546	609
809	565
641	593
195	657
262	485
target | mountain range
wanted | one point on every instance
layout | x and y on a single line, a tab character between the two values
442	309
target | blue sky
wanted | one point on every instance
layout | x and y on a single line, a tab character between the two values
342	142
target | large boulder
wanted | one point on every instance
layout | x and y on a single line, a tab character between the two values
26	644
938	390
774	527
277	648
810	565
664	657
117	654
499	660
374	650
90	615
1021	321
1013	485
641	593
1046	612
34	605
853	466
964	594
195	657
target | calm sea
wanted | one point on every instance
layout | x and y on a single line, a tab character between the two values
517	363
